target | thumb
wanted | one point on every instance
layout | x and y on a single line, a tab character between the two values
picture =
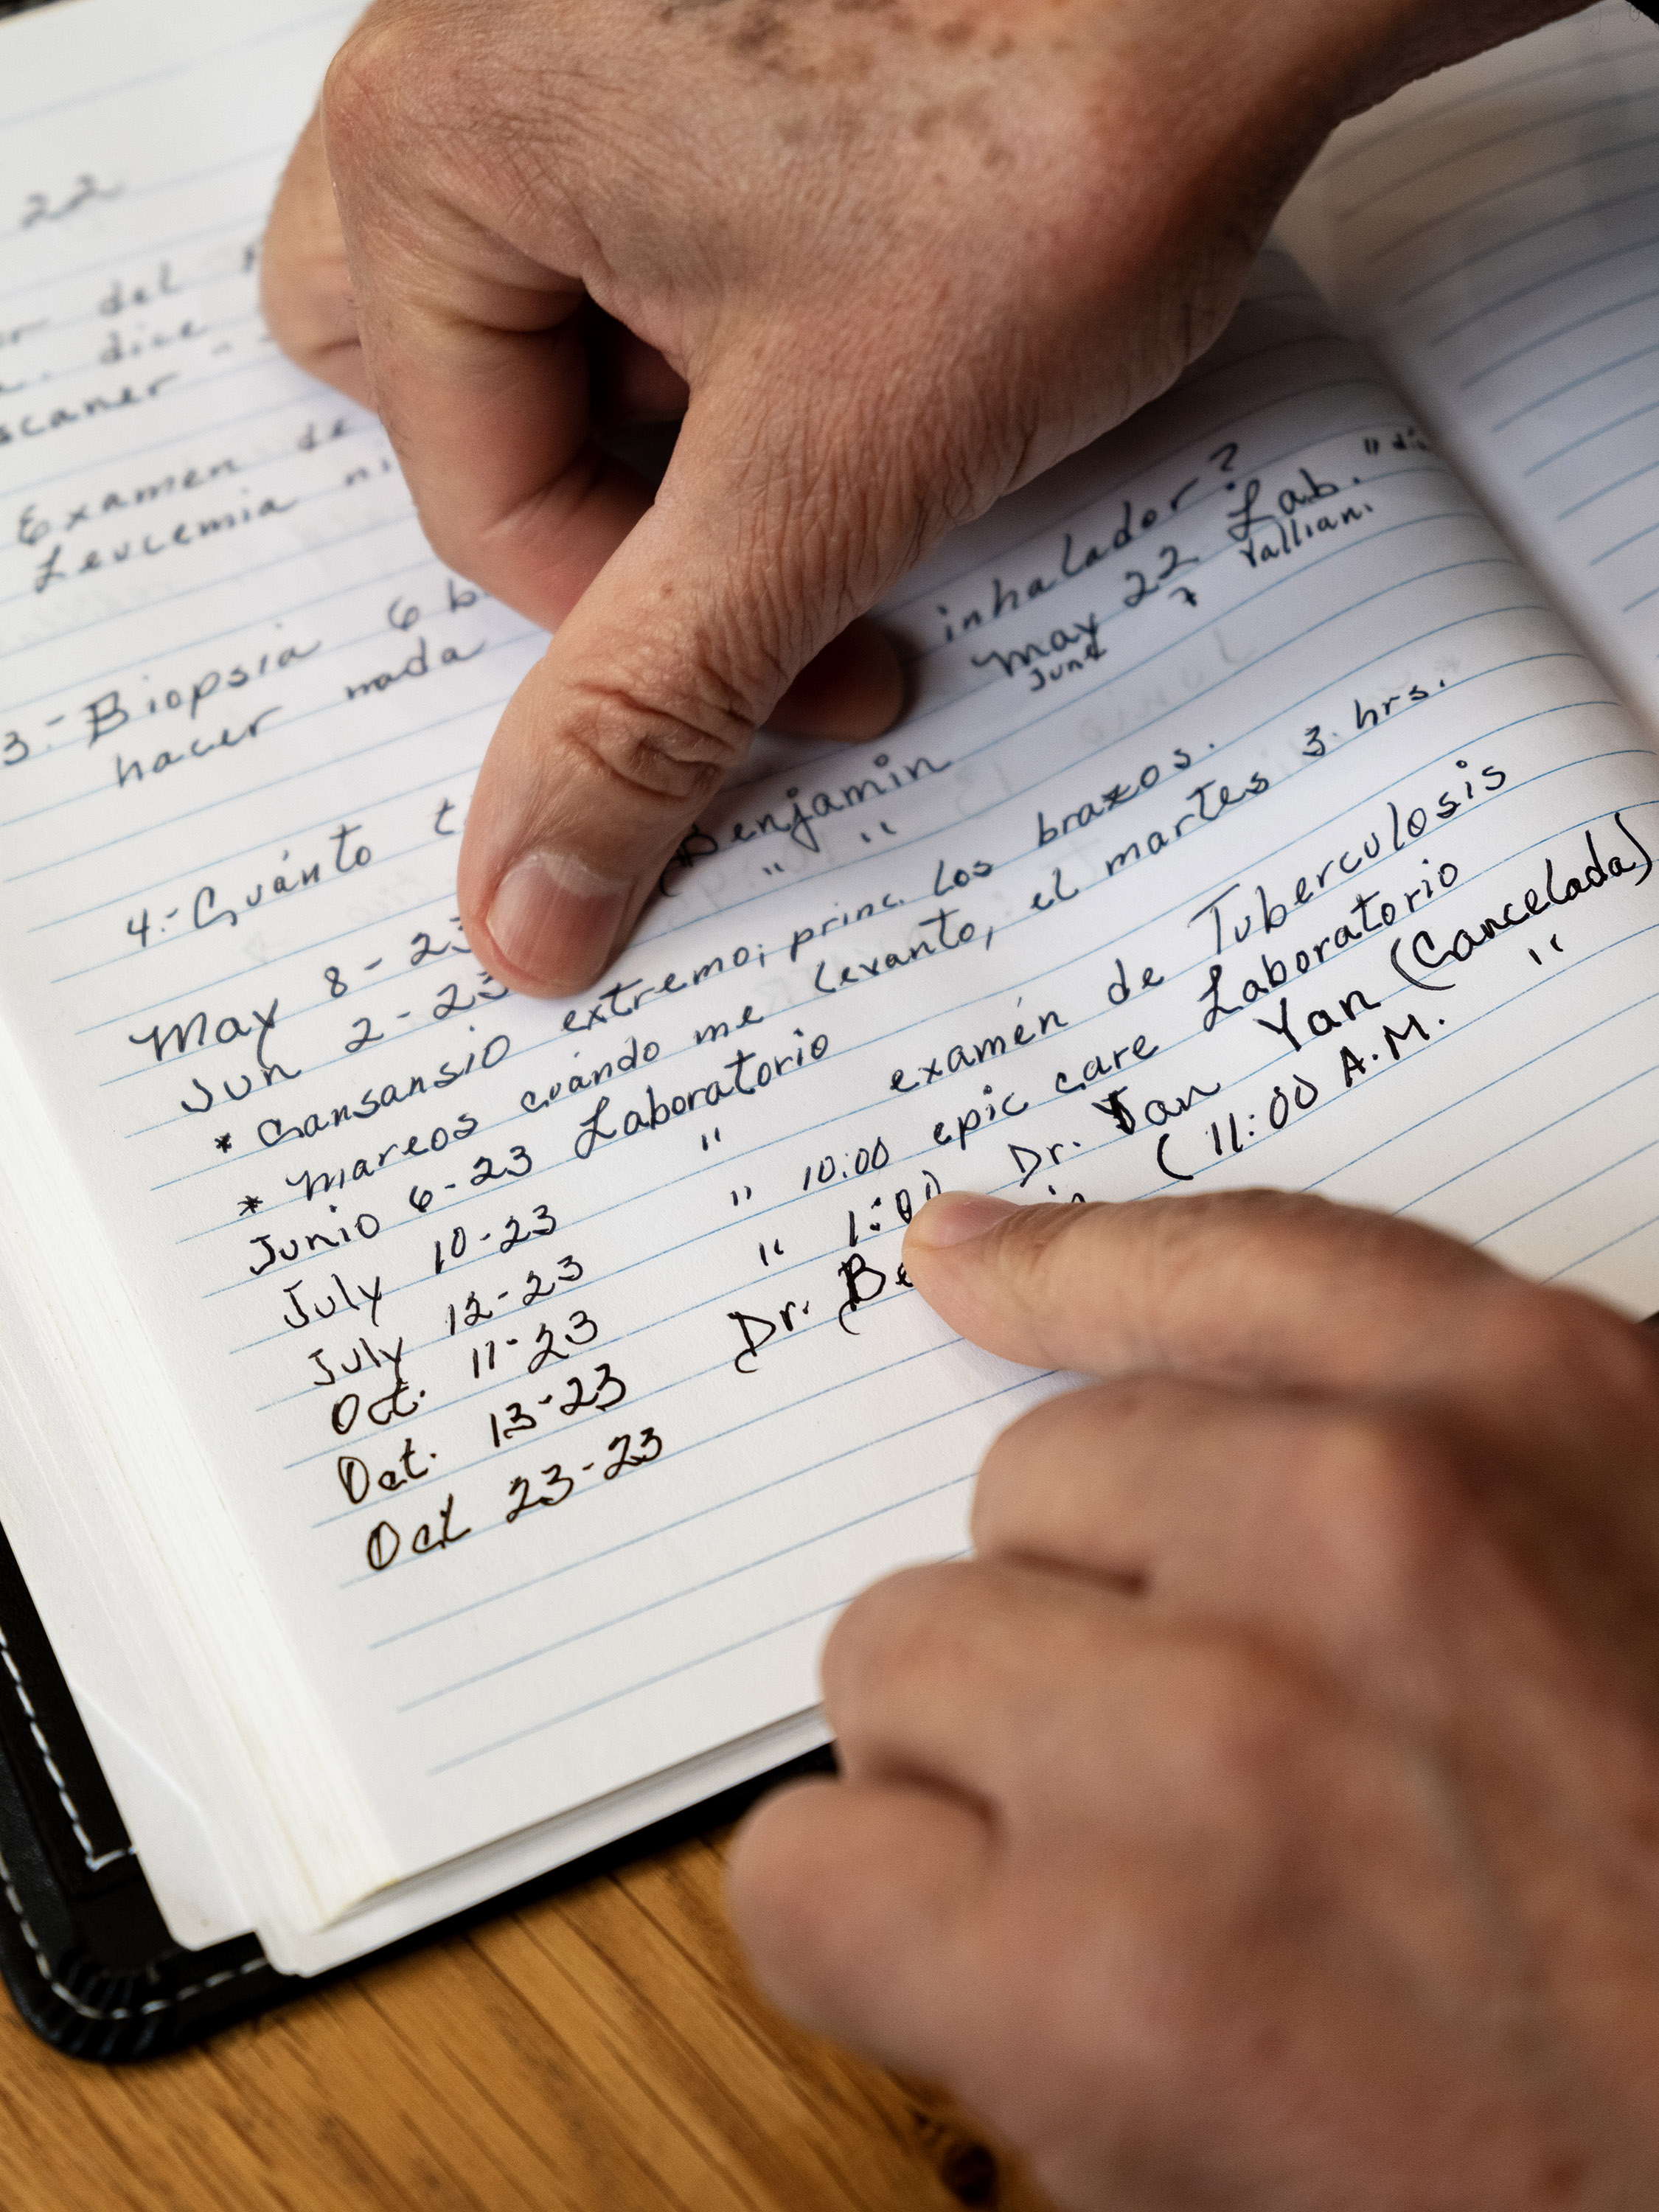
747	565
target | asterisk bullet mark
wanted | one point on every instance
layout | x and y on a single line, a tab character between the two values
223	1142
250	1205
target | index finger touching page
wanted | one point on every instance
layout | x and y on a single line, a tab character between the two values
1252	1285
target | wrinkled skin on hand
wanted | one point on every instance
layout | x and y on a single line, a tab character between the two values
1266	1816
892	258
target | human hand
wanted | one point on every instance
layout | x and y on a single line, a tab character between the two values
902	255
1267	1815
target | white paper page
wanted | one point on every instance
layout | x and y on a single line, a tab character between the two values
1493	235
1184	735
77	1582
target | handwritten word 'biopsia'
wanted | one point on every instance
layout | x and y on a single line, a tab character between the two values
109	712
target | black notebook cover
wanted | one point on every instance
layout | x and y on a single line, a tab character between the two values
84	1950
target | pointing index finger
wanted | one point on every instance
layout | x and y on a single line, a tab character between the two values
1252	1286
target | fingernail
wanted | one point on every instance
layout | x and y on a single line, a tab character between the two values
958	1215
555	921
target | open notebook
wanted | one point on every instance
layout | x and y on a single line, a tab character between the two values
438	1429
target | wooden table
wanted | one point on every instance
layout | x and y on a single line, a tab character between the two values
602	2051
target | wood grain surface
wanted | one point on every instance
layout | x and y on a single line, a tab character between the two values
600	2052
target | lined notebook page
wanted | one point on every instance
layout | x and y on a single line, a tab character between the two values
1257	821
1494	234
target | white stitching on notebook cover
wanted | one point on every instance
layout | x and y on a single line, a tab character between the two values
114	2011
94	1860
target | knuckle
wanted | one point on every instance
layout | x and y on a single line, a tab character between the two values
1310	1225
1208	1238
368	83
1187	1238
280	299
1078	1449
420	90
900	1630
1219	1245
992	1516
1379	1489
455	545
678	758
1160	1403
449	524
304	292
1048	1440
1540	1331
657	753
1238	1723
769	1875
